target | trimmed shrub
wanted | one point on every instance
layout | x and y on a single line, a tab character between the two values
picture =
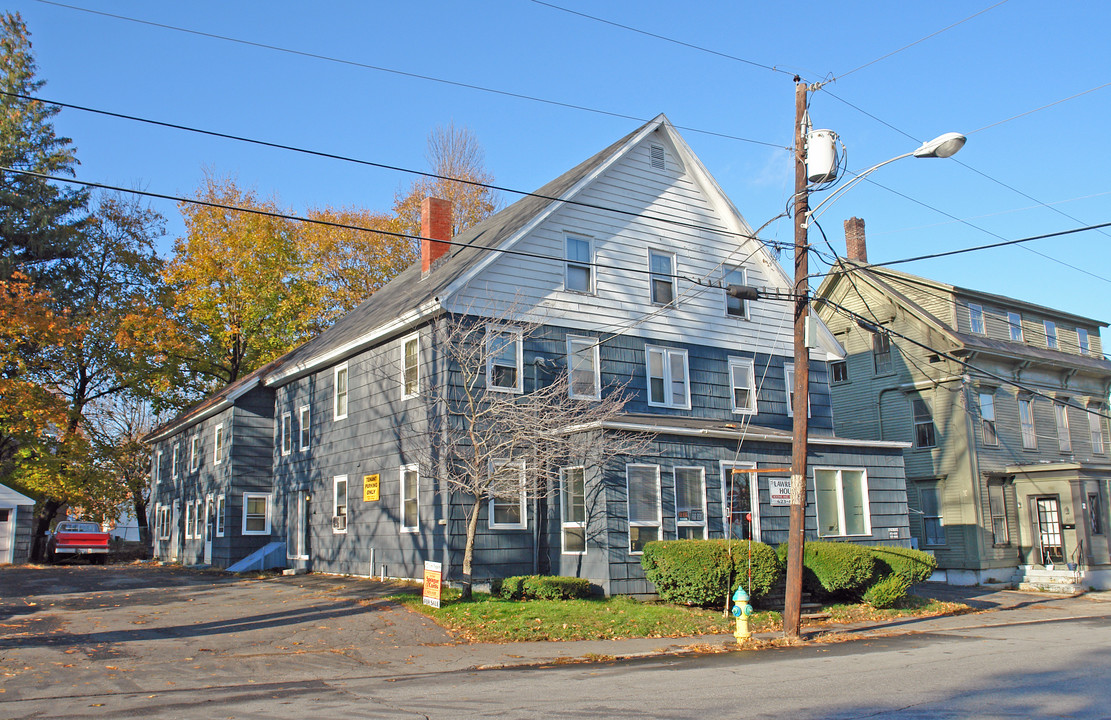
698	572
834	569
887	591
542	587
914	566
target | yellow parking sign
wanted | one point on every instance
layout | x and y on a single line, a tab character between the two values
370	488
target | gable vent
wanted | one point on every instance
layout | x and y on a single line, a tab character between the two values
657	152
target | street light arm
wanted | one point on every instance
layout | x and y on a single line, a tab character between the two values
818	209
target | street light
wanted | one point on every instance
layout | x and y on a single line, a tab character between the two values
942	146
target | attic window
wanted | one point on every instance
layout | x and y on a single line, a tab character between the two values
657	154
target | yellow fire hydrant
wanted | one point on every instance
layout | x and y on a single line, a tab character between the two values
741	611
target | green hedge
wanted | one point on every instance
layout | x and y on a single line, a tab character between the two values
835	569
886	591
541	587
914	566
698	572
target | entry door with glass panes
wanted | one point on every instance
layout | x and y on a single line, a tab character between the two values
1048	512
740	501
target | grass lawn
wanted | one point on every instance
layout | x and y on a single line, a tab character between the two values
492	619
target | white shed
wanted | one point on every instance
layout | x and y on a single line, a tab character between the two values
16	516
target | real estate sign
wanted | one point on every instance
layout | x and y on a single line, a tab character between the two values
432	576
779	491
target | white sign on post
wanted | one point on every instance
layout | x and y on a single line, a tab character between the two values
779	491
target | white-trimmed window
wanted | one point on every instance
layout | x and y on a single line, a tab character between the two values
164	522
188	521
1051	334
925	432
976	318
256	513
1061	415
339	504
1026	421
881	352
584	380
157	474
987	418
789	380
668	384
410	498
174	460
221	508
579	270
740	515
1014	324
572	507
841	495
198	519
838	371
661	268
642	484
1082	341
690	503
997	506
504	359
507	509
287	433
929	501
742	379
218	444
1095	427
304	426
339	392
194	453
735	307
410	366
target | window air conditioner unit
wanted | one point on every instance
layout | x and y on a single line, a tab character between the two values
339	522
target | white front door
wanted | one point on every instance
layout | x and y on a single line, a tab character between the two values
740	499
209	522
7	535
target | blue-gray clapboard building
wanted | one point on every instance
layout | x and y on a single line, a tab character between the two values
317	451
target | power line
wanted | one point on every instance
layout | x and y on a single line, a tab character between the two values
916	42
401	73
369	163
1039	109
328	223
682	43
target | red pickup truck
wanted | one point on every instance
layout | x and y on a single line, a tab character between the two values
78	538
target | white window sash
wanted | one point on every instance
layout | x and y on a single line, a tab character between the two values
668	360
564	523
341	396
746	367
583	349
410	371
409	474
268	510
701	507
522	524
842	513
493	334
304	425
218	441
340	506
221	508
650	523
286	431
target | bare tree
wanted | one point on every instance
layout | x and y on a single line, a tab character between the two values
495	436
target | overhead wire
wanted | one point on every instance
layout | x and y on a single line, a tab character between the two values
394	71
367	163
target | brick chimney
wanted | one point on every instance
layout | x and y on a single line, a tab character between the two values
855	248
435	228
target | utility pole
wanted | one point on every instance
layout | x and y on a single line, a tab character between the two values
792	607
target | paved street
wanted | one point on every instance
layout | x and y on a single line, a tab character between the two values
142	641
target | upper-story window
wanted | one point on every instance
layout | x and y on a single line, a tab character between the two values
976	318
1026	421
582	368
287	433
789	382
925	434
410	370
742	379
218	445
579	270
158	467
504	359
668	385
339	396
194	452
1051	334
839	371
1095	427
987	418
881	352
1061	415
661	266
304	427
1014	324
735	307
174	461
1082	341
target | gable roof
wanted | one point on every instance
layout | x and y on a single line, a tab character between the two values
886	282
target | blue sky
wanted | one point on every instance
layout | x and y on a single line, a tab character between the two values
1027	169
